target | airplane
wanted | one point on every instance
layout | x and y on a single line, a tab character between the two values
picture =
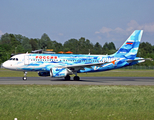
64	65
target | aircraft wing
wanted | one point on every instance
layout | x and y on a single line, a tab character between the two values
82	66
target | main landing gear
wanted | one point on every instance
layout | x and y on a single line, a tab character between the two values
77	78
25	76
67	77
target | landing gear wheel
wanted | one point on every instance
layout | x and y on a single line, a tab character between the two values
67	77
24	78
76	78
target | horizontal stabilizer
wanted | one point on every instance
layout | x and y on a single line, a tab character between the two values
139	59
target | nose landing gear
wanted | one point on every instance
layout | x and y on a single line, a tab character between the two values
25	76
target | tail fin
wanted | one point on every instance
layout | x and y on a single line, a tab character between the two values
130	47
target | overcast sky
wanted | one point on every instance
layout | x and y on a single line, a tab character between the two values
97	20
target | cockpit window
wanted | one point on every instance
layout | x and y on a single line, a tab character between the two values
14	59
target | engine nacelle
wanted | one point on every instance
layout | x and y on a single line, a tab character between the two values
60	72
44	74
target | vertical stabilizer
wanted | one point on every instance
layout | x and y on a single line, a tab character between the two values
130	47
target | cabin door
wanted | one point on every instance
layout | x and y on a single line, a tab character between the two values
26	62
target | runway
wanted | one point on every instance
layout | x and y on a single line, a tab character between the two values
83	81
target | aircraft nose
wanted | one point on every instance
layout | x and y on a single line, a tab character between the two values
5	65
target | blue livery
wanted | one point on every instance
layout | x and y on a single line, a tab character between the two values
64	65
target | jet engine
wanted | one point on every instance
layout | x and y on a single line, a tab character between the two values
56	72
60	72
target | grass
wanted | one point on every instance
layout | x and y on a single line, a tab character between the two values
67	102
112	73
62	102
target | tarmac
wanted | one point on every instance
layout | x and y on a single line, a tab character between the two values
83	81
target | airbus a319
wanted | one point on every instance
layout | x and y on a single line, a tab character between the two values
64	65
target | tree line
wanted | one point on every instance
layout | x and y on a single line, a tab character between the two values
16	43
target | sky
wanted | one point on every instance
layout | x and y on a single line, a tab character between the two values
97	20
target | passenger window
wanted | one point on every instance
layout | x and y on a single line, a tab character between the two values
16	59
